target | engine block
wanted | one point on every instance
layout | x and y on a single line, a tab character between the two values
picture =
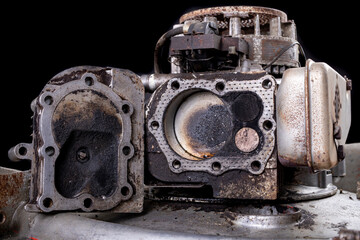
233	111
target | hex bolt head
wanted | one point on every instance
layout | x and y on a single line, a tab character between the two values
82	155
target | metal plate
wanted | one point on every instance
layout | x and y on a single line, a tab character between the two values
311	101
177	89
82	108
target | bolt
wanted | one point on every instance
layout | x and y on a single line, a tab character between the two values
82	155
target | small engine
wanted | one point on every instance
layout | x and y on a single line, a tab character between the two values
233	111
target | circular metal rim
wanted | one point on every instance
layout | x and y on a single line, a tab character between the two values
241	11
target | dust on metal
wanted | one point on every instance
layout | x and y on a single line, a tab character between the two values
246	13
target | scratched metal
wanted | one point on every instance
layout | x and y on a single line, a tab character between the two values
310	101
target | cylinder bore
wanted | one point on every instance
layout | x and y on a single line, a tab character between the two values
202	125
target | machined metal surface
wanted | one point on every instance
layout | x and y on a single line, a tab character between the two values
85	136
160	120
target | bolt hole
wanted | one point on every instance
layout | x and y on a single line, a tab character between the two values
267	125
175	85
2	218
48	202
216	166
267	84
155	125
125	191
220	86
22	151
50	151
48	100
125	108
255	165
88	202
126	150
89	81
176	164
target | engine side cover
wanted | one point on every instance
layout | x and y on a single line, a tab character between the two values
88	142
313	116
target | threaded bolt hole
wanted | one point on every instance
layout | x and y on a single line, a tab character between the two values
48	202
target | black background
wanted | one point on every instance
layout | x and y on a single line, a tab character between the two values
41	40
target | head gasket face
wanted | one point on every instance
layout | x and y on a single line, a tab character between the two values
86	153
214	125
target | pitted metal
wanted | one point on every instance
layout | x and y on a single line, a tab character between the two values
49	150
263	87
247	14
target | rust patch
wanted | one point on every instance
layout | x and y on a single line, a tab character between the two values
245	12
307	220
248	186
10	185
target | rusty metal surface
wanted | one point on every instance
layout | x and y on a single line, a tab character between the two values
160	113
306	116
271	47
88	137
14	189
246	13
202	125
246	108
263	48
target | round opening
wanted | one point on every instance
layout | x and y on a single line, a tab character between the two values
22	151
47	202
267	84
50	151
176	164
216	166
125	108
87	202
126	150
125	191
155	125
267	125
197	126
220	86
89	81
48	100
255	165
2	218
175	85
